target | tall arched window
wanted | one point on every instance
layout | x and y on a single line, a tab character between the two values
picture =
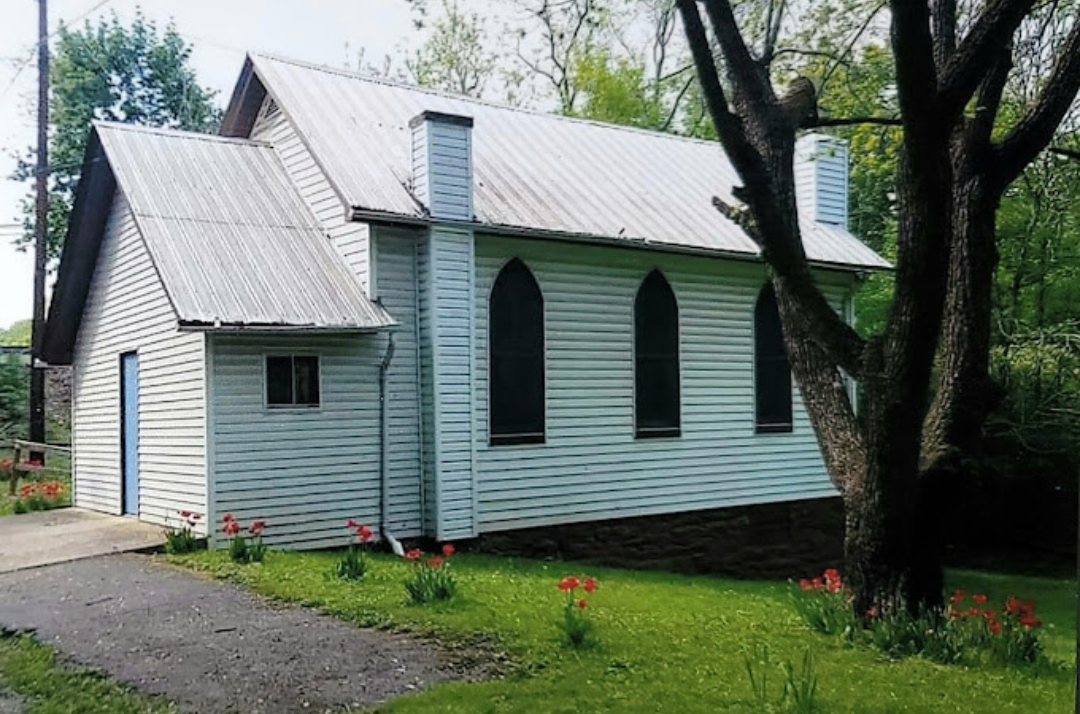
516	342
772	373
656	358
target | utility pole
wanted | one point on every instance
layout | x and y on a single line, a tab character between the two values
41	224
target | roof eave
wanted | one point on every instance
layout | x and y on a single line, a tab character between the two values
364	215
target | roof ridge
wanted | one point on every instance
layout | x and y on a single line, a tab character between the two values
484	102
178	133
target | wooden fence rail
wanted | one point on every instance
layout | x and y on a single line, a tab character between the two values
25	459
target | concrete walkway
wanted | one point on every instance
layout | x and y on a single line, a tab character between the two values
207	645
44	537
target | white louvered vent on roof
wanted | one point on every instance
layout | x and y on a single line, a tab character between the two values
821	179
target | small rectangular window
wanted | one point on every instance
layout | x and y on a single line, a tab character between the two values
292	381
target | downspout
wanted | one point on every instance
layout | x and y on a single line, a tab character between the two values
384	446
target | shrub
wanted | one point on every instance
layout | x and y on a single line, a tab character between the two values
970	633
431	580
182	539
576	623
244	549
353	565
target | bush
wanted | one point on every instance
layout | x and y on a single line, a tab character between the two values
181	540
244	549
353	565
963	633
576	623
431	580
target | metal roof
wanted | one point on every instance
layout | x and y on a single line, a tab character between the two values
232	240
532	171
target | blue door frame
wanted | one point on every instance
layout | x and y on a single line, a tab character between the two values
129	432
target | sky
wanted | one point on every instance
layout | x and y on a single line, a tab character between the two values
221	31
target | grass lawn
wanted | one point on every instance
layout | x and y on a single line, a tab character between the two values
47	687
667	642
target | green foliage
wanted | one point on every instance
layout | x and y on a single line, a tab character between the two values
14	397
244	550
827	613
617	90
112	71
430	581
18	335
670	642
799	693
352	566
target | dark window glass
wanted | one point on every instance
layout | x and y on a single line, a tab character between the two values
306	371
516	341
772	373
656	358
292	381
279	381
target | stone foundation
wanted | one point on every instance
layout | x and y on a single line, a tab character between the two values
778	540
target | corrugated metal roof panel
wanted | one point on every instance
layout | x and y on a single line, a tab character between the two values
531	170
232	240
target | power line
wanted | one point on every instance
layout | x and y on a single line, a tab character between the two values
24	62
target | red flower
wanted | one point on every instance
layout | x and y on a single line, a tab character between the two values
569	584
436	562
591	585
231	529
979	599
257	527
228	517
805	585
364	533
448	550
973	612
995	629
195	516
413	554
1030	622
873	612
184	514
351	524
958	597
582	603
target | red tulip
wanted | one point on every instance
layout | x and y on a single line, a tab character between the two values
257	527
979	599
569	584
591	585
228	517
364	533
582	603
413	554
448	550
435	562
231	529
958	597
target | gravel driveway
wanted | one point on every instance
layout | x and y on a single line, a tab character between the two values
210	646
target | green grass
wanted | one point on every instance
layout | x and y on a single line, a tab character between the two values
667	642
48	687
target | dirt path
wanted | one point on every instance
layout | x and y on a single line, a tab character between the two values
209	646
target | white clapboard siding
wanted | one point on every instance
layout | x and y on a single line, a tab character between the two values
352	240
396	290
591	466
127	310
307	470
446	319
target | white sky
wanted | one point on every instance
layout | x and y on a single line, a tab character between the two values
220	30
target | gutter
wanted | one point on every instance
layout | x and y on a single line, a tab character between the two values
384	446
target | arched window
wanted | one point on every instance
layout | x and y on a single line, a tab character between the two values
516	342
772	373
656	358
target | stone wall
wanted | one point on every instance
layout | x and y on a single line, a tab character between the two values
781	540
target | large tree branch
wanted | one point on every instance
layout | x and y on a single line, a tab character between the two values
976	53
1033	133
944	20
749	78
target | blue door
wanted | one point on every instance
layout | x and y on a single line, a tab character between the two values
129	430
